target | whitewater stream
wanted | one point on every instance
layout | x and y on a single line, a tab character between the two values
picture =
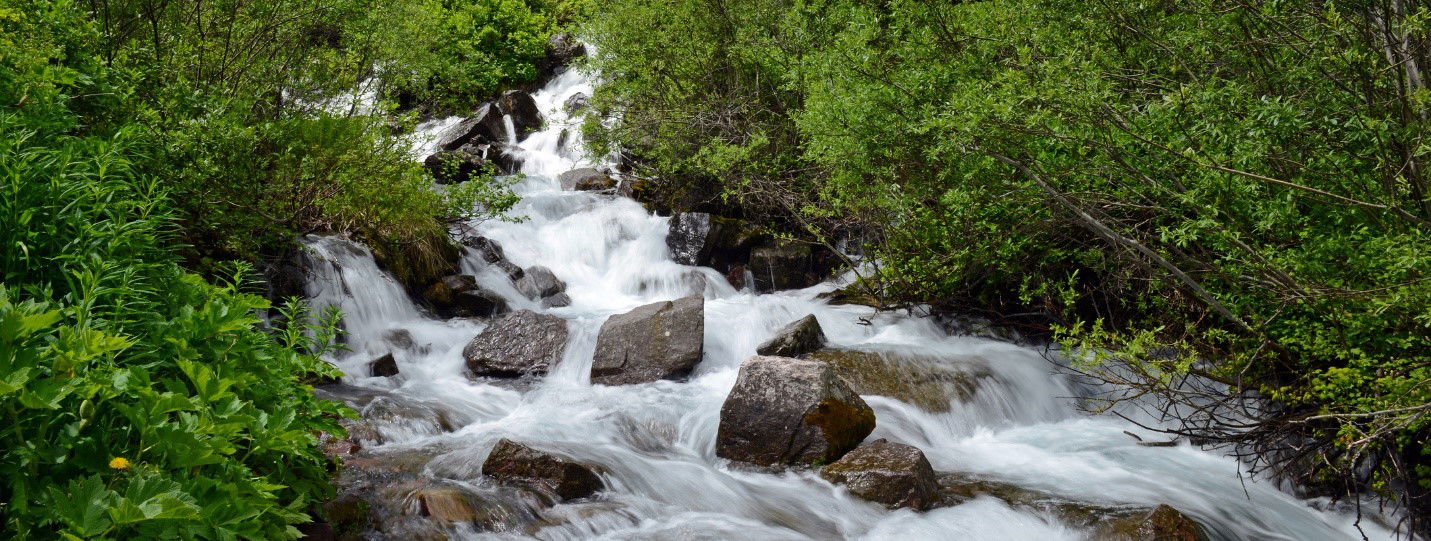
1021	426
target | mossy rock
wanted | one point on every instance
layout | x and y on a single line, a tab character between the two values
929	382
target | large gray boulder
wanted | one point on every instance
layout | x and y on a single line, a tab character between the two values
662	340
517	464
539	283
796	339
881	471
786	411
517	343
484	127
586	179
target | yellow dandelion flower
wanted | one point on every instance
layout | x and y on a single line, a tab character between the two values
119	463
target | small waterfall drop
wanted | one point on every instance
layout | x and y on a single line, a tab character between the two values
1021	425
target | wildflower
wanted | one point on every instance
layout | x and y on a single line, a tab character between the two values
119	463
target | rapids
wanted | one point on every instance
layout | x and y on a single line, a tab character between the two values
1022	426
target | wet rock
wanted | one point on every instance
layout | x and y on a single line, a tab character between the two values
662	340
1163	523
576	102
512	271
317	531
881	471
855	293
445	504
736	277
586	179
561	50
335	447
517	343
790	411
514	463
796	339
699	238
490	250
460	296
526	117
539	282
484	127
557	301
787	265
454	166
929	382
385	366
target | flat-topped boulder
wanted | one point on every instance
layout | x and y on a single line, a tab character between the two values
893	474
516	344
517	464
802	336
662	340
586	179
931	382
785	411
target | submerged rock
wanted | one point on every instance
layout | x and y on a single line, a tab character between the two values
514	463
1163	523
539	282
798	338
929	382
385	366
790	411
881	471
586	179
662	340
517	343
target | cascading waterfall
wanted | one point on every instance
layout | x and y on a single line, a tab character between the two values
657	440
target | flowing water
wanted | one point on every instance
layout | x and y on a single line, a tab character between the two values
656	441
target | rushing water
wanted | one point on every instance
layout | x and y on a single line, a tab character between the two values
657	440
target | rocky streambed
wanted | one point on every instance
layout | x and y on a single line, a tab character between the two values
596	370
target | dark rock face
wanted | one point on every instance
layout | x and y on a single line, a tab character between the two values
662	340
526	117
786	265
796	339
790	411
513	272
1163	523
490	250
561	50
699	238
893	474
514	463
484	127
539	283
586	179
736	277
385	366
459	296
517	343
688	237
576	102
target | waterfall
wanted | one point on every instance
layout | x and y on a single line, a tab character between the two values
1022	425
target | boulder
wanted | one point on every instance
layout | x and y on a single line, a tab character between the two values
385	366
881	471
517	343
557	301
484	127
513	272
736	276
786	411
930	382
460	296
561	50
1163	523
586	179
454	166
786	265
490	250
662	340
576	102
526	117
539	283
796	339
517	464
